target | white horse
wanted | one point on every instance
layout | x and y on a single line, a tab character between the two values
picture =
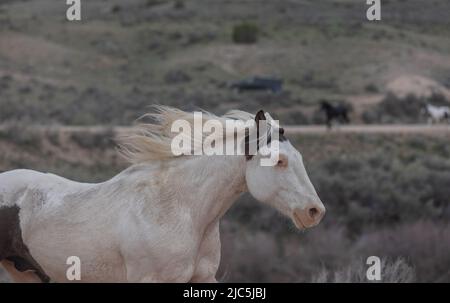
437	114
157	221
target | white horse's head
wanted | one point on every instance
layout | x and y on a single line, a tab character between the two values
286	185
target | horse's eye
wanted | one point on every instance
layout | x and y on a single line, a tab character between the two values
281	131
283	161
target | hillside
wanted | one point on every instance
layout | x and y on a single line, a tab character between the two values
124	56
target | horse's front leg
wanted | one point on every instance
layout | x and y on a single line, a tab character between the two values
173	269
208	259
166	262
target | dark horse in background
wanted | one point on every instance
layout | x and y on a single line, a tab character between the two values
337	112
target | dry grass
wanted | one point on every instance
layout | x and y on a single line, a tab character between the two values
397	271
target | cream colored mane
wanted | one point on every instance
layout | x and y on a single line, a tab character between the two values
152	141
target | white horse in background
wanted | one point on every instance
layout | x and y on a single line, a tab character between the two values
157	221
437	114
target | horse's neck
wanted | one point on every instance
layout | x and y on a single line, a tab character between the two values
206	185
212	184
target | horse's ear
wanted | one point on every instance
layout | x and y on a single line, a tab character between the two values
260	116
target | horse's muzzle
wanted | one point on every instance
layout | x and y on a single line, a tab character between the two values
308	216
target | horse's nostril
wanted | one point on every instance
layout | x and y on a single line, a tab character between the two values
308	216
313	212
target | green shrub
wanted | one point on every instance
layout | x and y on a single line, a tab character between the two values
22	135
371	88
102	140
245	33
179	4
150	3
116	9
384	187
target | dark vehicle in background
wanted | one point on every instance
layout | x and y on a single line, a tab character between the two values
274	85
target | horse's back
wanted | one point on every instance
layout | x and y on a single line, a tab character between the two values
14	183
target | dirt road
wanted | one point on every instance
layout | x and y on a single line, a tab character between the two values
292	129
375	129
318	129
